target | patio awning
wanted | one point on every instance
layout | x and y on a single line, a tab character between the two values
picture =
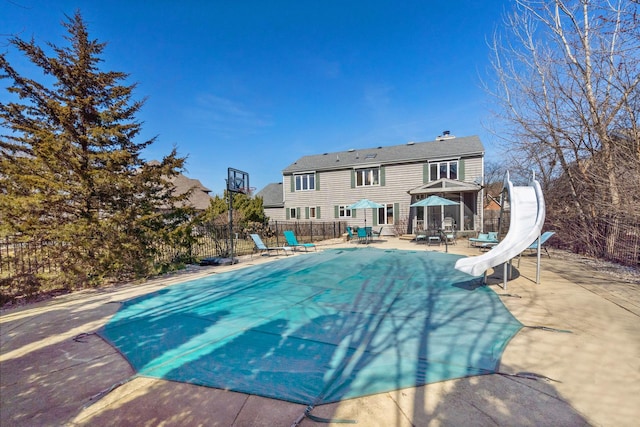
445	185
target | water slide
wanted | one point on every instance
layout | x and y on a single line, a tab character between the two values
527	218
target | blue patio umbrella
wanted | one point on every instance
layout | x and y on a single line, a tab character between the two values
434	201
365	204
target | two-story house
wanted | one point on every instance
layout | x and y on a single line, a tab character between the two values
322	186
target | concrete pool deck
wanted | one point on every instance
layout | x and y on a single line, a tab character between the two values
54	371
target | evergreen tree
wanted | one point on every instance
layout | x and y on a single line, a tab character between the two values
71	172
246	209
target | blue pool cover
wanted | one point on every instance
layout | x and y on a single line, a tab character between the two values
319	327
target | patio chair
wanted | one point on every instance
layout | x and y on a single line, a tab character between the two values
378	233
434	237
293	242
362	235
490	237
261	247
448	224
450	236
534	246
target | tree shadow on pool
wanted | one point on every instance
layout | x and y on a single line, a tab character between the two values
404	322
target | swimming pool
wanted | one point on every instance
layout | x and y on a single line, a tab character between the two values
319	327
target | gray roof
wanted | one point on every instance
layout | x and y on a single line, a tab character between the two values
272	196
395	154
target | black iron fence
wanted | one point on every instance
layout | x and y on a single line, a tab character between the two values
614	240
18	256
214	241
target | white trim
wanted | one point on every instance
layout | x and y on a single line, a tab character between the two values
367	166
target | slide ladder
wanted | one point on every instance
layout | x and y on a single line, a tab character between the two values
527	218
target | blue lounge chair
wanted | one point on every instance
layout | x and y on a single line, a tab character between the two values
261	247
293	242
350	234
484	239
534	246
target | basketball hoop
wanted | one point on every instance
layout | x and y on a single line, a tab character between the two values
247	190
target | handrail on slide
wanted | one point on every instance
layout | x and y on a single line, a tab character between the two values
527	218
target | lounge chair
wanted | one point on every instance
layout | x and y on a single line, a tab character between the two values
484	239
293	242
350	234
421	236
261	247
534	246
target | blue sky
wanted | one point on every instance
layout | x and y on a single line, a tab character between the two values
254	85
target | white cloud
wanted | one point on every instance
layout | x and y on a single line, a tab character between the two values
226	117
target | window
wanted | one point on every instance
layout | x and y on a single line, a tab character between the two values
367	177
343	212
305	182
443	170
312	212
292	213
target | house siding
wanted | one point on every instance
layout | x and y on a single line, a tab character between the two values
275	214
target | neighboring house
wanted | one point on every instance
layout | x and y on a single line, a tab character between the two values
273	201
492	210
199	197
321	187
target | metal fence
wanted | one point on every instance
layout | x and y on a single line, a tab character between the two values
18	256
612	239
309	231
214	241
615	240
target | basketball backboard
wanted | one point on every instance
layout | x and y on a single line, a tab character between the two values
237	181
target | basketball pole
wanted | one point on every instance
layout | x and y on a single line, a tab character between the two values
230	196
237	182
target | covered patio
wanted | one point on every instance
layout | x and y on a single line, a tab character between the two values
466	215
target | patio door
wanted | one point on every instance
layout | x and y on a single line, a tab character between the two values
385	214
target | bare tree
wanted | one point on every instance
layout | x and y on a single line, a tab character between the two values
566	84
